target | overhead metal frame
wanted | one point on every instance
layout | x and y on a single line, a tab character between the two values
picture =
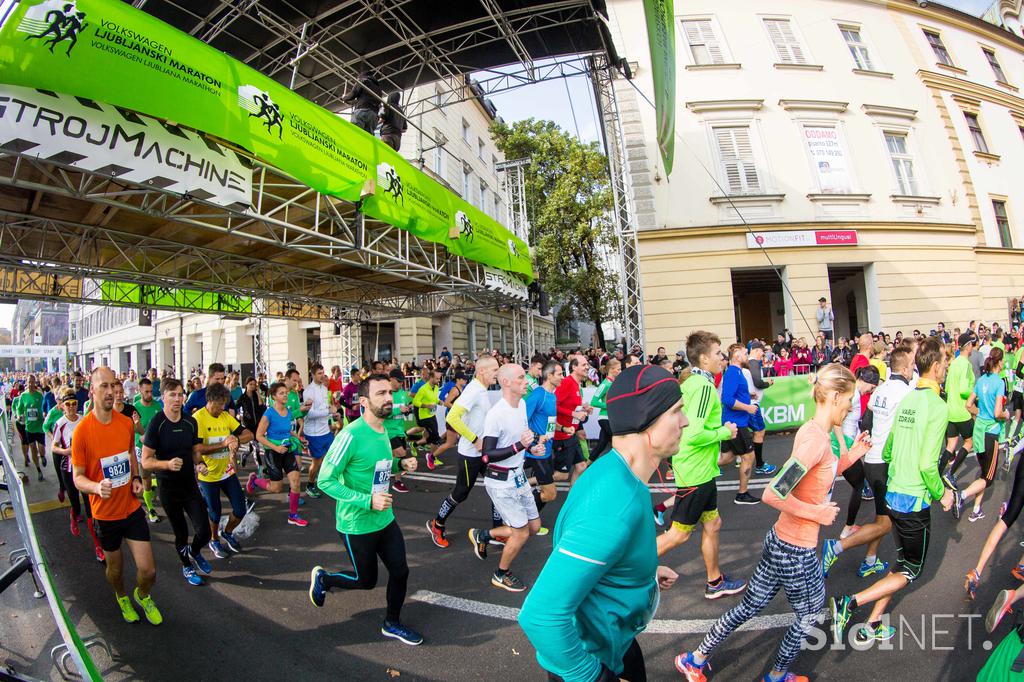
603	76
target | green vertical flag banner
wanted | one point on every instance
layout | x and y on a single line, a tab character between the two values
661	37
108	51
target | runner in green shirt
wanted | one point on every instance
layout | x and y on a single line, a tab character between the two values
914	484
357	473
533	374
30	408
611	369
959	384
696	463
146	406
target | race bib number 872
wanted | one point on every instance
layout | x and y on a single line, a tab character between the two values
117	468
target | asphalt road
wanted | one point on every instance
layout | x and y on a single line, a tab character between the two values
253	619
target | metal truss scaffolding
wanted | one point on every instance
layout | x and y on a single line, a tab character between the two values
603	75
298	253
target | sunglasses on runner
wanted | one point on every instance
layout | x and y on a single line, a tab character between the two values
70	402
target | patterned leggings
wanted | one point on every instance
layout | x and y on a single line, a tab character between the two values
786	566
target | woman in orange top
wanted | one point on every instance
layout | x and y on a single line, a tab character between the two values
802	492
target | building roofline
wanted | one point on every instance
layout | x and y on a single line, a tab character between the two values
925	8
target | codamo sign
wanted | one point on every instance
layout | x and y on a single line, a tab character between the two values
108	51
100	138
792	238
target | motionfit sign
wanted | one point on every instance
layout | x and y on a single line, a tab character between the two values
791	238
109	52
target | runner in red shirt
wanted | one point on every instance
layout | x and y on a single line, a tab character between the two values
865	347
571	413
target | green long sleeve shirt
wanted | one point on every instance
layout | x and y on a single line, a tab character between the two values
358	463
914	445
598	399
959	384
697	459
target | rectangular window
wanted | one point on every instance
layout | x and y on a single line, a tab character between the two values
465	131
483	197
902	163
994	63
935	40
471	332
439	161
1002	223
466	184
859	50
438	98
480	149
704	45
976	134
736	156
787	47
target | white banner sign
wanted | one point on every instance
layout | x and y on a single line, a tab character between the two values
507	284
98	137
828	157
33	351
790	238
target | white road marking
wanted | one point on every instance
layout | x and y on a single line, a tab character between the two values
657	626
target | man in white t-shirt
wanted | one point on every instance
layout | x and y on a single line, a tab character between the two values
467	417
883	405
131	387
506	438
315	428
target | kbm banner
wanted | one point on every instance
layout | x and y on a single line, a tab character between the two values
787	403
108	51
661	36
101	138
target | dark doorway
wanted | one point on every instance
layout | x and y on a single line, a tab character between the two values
758	303
849	299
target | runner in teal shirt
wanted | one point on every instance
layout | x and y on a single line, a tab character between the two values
600	587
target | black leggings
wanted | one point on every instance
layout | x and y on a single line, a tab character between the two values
363	551
854	475
1016	501
60	463
78	500
988	460
604	441
179	503
633	668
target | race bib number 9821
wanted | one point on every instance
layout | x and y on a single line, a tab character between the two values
117	468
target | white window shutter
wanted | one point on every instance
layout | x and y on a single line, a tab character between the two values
737	157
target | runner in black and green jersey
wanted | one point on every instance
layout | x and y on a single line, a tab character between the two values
597	401
357	473
696	463
146	406
30	408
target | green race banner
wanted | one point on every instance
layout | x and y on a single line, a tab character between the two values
108	51
787	403
661	38
190	299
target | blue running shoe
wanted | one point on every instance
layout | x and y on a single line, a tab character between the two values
766	470
191	576
317	591
971	584
201	563
840	611
659	518
402	633
217	549
867	569
829	556
958	504
230	541
724	588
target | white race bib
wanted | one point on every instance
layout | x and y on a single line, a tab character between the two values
219	454
381	477
519	479
552	425
32	414
117	468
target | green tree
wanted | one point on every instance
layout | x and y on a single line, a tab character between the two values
569	202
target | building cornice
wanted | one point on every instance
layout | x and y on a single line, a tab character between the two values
733	230
883	111
967	91
813	105
704	106
952	17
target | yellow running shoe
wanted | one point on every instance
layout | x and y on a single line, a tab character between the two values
129	613
148	607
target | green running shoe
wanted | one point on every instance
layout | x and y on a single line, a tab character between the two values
148	607
839	609
127	610
867	633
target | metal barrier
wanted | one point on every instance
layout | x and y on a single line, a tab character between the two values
72	657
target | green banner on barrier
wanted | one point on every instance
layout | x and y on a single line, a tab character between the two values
109	51
164	297
787	403
661	36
